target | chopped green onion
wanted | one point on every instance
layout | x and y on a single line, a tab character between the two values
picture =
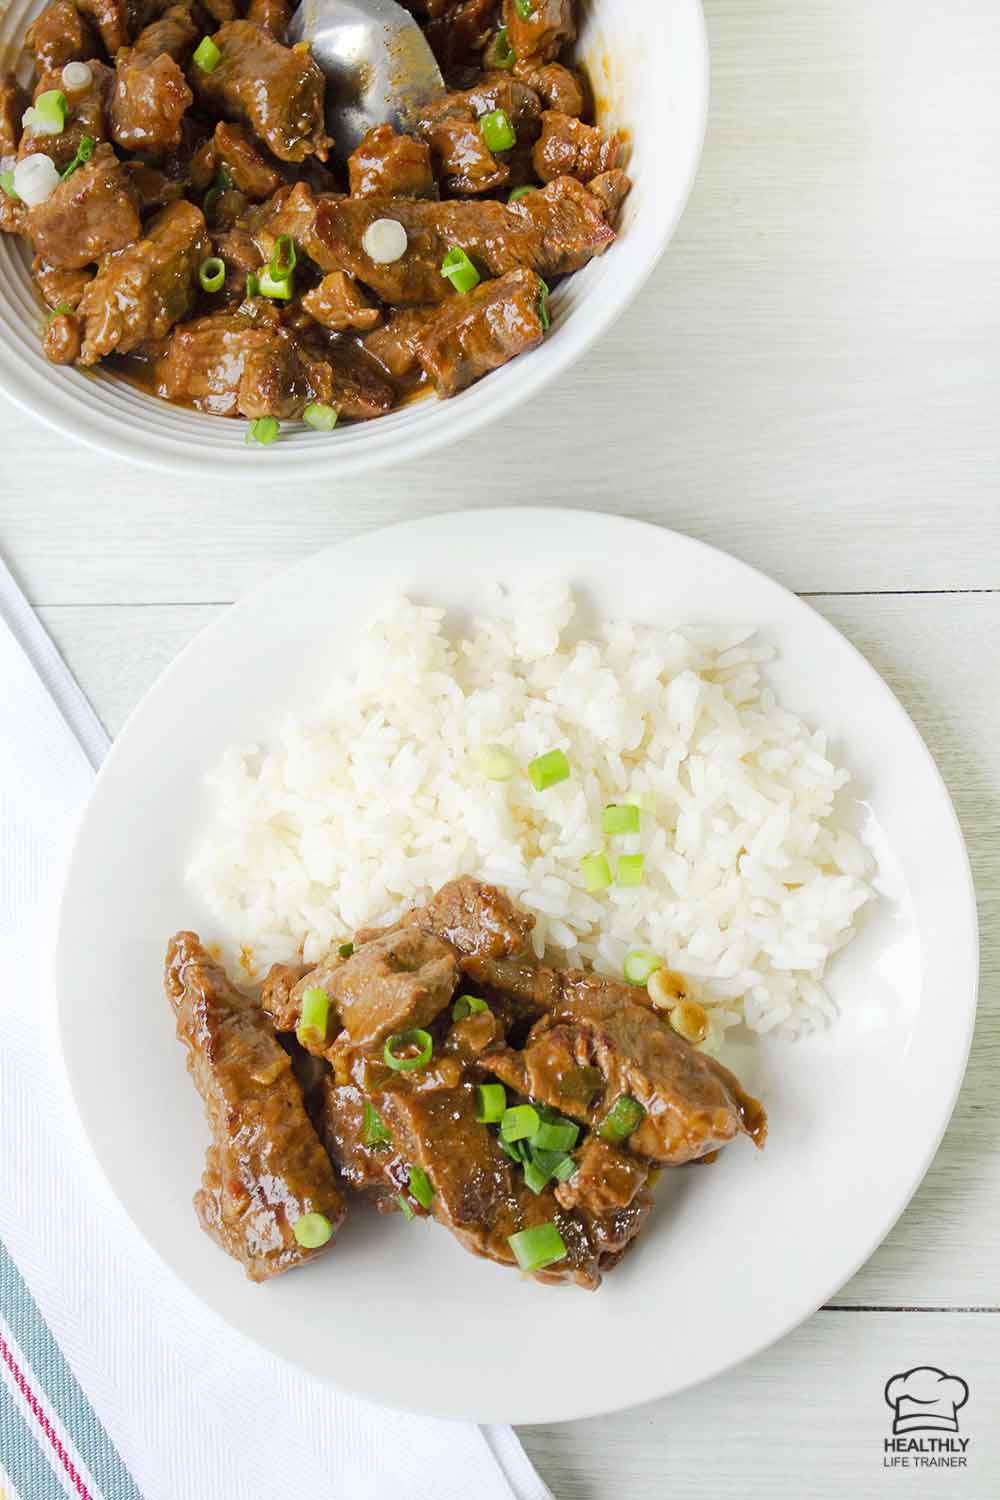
312	1230
555	1135
459	270
500	54
212	274
537	1247
284	259
404	1205
7	183
497	130
277	287
315	1014
535	1176
521	192
517	1150
639	964
624	1116
320	418
620	817
263	430
496	763
519	1123
596	872
421	1186
525	8
61	310
374	1133
468	1005
408	1039
47	116
548	770
564	1171
253	284
543	307
630	867
207	55
84	152
491	1101
346	949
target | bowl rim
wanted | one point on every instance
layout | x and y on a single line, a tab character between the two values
25	376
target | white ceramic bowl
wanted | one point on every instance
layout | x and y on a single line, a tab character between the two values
649	64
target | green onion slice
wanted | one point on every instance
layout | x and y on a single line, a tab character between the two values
315	1014
491	1101
624	1116
321	418
421	1186
47	116
459	270
84	152
500	54
596	871
61	310
207	55
405	1206
374	1131
497	130
543	307
630	868
263	430
284	259
620	817
521	192
556	1135
346	949
518	1151
212	274
405	1040
535	1176
639	964
312	1230
496	763
468	1005
253	284
537	1247
7	183
548	770
277	287
564	1171
525	8
519	1123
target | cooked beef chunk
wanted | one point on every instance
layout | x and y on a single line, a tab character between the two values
458	29
568	148
556	86
232	363
611	189
473	917
693	1105
58	36
13	215
476	1034
90	214
220	11
87	116
116	21
291	211
500	90
153	187
339	303
247	168
278	91
360	391
471	335
539	36
61	339
59	287
554	231
241	256
399	981
140	293
271	15
459	153
395	166
276	994
361	1166
266	1166
395	345
151	95
605	1179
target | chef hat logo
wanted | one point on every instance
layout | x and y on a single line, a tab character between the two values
926	1399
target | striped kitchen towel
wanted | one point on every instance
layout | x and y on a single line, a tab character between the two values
115	1382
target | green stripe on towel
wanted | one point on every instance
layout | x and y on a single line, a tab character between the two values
23	1456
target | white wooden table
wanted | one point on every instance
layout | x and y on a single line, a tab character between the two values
810	381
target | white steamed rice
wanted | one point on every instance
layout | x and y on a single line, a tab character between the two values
368	805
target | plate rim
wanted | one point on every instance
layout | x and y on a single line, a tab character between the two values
965	1011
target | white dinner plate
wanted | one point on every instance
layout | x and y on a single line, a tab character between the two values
733	1257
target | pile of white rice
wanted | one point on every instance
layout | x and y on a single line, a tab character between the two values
375	800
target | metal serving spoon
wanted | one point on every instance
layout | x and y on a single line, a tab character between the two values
377	61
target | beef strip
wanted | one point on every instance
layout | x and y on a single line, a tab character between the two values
271	15
340	304
363	1167
140	293
605	1179
474	334
693	1105
61	339
474	918
278	91
393	165
538	37
276	994
90	214
568	148
58	36
151	95
266	1166
60	288
553	231
87	115
234	363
